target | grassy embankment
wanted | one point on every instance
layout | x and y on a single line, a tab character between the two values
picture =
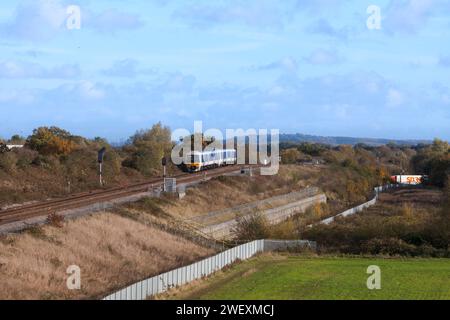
111	251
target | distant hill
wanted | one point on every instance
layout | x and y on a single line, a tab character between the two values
298	137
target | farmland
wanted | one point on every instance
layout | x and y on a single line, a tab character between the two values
290	277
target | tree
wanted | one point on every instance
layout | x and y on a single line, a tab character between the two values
290	156
17	140
51	141
434	160
147	147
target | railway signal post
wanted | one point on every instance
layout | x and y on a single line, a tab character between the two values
101	155
164	164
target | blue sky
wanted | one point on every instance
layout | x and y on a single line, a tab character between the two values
309	66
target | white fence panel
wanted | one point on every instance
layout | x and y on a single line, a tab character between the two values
362	206
161	283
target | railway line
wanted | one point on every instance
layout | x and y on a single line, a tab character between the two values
84	199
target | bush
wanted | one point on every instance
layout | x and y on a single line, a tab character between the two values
290	156
25	157
389	246
252	227
47	162
8	162
55	220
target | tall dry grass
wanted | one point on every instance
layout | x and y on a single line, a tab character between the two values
112	252
227	192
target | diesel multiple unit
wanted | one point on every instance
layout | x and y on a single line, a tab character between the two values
197	161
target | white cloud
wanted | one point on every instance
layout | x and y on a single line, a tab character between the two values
394	98
127	68
323	56
253	13
287	64
409	16
111	21
72	93
444	61
36	20
27	70
89	90
17	96
323	27
39	20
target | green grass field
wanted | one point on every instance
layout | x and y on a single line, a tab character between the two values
279	277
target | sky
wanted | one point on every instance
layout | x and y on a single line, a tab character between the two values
300	66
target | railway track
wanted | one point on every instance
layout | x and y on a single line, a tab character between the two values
80	200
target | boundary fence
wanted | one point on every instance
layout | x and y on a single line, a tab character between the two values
178	277
363	206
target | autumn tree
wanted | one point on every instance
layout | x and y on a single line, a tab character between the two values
147	147
434	160
51	141
290	156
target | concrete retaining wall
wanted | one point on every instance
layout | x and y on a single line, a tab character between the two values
276	215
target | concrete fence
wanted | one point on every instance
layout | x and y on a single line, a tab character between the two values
363	206
178	277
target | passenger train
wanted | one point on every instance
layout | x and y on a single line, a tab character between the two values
197	161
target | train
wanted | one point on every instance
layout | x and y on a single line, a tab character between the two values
413	180
196	161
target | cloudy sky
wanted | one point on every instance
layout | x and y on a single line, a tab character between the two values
309	66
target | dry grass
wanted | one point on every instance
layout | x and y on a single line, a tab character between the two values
36	184
417	196
226	192
112	252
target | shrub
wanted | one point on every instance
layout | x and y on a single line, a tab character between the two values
8	162
47	162
151	206
290	156
55	220
252	227
255	188
389	246
25	157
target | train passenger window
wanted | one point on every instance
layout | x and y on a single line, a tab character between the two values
195	159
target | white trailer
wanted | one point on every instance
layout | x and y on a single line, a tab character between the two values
412	180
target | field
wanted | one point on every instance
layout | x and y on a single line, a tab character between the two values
280	277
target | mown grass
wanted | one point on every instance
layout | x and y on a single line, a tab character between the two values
277	277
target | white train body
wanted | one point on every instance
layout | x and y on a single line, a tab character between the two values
408	179
198	161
